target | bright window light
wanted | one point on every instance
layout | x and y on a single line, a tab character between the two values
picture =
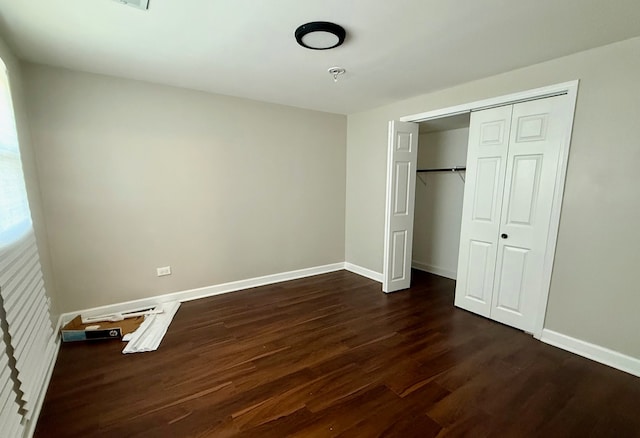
15	217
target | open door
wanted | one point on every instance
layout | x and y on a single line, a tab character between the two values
402	161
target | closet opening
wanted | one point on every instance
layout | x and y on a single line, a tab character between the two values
440	179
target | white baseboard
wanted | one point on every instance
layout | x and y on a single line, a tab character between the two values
203	292
594	352
373	275
433	269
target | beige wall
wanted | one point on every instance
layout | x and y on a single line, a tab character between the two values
438	208
29	170
137	176
594	291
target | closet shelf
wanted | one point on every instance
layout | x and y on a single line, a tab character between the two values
443	169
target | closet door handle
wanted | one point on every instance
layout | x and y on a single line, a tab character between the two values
504	235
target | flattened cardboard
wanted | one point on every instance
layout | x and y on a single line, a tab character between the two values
75	330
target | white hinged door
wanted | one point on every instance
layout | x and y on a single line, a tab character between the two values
401	185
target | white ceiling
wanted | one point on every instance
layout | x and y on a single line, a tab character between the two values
394	49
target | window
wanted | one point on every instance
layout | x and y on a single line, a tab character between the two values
15	217
27	333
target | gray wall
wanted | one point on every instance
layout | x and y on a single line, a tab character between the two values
30	170
137	176
594	291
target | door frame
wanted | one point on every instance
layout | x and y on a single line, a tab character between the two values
566	88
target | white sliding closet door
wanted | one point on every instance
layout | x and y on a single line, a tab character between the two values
538	128
401	186
486	164
514	158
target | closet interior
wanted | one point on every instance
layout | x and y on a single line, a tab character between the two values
442	157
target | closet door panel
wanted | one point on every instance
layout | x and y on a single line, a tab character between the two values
478	282
399	246
510	284
401	177
489	133
525	186
486	193
532	164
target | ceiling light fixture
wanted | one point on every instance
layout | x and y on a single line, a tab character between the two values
335	72
320	35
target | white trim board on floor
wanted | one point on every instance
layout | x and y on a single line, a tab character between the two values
594	352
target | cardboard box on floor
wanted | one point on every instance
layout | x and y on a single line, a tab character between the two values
75	330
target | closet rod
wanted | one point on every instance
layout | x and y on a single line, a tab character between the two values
444	169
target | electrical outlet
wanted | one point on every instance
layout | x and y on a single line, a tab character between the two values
165	270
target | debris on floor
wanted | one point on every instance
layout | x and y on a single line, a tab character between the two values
143	330
76	330
150	333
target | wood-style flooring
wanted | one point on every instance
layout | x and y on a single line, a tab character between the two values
332	355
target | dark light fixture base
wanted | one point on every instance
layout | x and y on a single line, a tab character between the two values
329	35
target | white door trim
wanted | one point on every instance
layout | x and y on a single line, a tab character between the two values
507	99
571	90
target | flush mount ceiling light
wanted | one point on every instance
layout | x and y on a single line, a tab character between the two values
320	35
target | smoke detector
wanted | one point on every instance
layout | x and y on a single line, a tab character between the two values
140	4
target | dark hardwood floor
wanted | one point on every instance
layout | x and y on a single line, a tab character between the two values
332	355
